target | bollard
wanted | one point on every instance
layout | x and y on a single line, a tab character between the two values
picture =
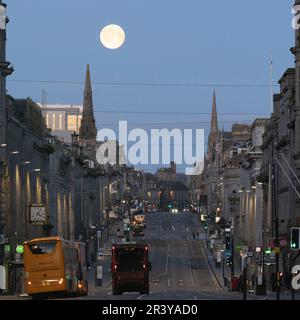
99	276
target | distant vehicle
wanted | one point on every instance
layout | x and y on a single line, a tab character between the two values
139	219
130	267
174	210
54	265
138	229
186	210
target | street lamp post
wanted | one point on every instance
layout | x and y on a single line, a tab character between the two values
245	279
276	221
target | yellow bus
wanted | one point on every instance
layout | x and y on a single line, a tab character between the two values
54	265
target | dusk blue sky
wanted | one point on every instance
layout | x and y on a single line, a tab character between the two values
167	42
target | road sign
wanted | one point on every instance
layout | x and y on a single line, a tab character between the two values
283	243
219	256
99	272
276	250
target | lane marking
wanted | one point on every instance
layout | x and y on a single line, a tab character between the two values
173	228
140	297
190	267
167	262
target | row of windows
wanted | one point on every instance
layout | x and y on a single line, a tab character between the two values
151	186
55	122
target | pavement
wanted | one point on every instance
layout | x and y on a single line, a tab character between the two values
105	261
218	274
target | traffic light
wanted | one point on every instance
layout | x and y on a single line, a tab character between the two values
295	238
205	226
229	261
228	243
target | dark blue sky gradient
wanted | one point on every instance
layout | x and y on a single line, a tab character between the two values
169	41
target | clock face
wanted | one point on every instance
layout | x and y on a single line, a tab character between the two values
37	214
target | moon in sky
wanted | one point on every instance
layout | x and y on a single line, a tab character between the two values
112	36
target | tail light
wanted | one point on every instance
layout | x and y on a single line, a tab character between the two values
146	248
113	248
114	267
144	266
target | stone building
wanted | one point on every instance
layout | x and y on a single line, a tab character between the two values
281	194
167	173
5	70
63	120
166	194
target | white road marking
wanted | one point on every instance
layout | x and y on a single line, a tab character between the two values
110	292
190	267
167	262
187	229
140	297
173	228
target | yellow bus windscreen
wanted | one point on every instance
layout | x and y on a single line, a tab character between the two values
42	247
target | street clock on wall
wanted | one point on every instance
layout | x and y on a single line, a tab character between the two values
37	214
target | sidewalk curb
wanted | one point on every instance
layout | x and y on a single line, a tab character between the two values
211	267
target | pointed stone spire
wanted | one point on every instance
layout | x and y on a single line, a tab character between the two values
214	131
88	131
88	86
214	118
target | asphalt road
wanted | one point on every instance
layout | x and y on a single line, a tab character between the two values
180	269
179	265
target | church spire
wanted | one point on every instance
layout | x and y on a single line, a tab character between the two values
88	131
214	131
214	118
88	86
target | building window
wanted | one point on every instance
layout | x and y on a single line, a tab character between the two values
53	121
60	121
74	122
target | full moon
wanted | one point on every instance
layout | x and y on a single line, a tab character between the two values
112	36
